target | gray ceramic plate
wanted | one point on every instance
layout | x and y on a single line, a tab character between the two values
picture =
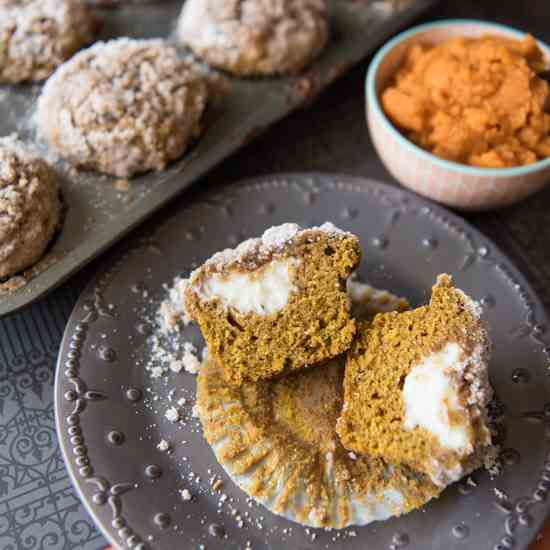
98	214
109	425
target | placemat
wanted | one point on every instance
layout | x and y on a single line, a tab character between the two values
38	506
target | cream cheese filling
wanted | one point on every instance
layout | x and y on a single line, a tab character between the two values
264	291
431	396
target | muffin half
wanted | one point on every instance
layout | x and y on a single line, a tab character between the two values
417	388
277	303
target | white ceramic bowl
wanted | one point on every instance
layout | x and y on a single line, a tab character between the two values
456	185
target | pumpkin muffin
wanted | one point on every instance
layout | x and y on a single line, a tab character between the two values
276	439
122	107
277	303
36	36
255	37
30	207
417	389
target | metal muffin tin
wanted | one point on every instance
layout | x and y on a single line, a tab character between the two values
98	214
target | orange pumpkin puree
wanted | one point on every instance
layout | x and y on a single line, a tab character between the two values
477	101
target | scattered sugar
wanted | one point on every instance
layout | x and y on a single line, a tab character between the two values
190	362
172	312
471	482
186	494
176	366
188	347
164	446
492	462
157	371
172	414
172	355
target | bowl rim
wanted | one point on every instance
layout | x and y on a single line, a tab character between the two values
373	102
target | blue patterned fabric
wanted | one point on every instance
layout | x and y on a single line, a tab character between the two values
39	509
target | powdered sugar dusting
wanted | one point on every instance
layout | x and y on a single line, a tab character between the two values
329	227
273	241
278	236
